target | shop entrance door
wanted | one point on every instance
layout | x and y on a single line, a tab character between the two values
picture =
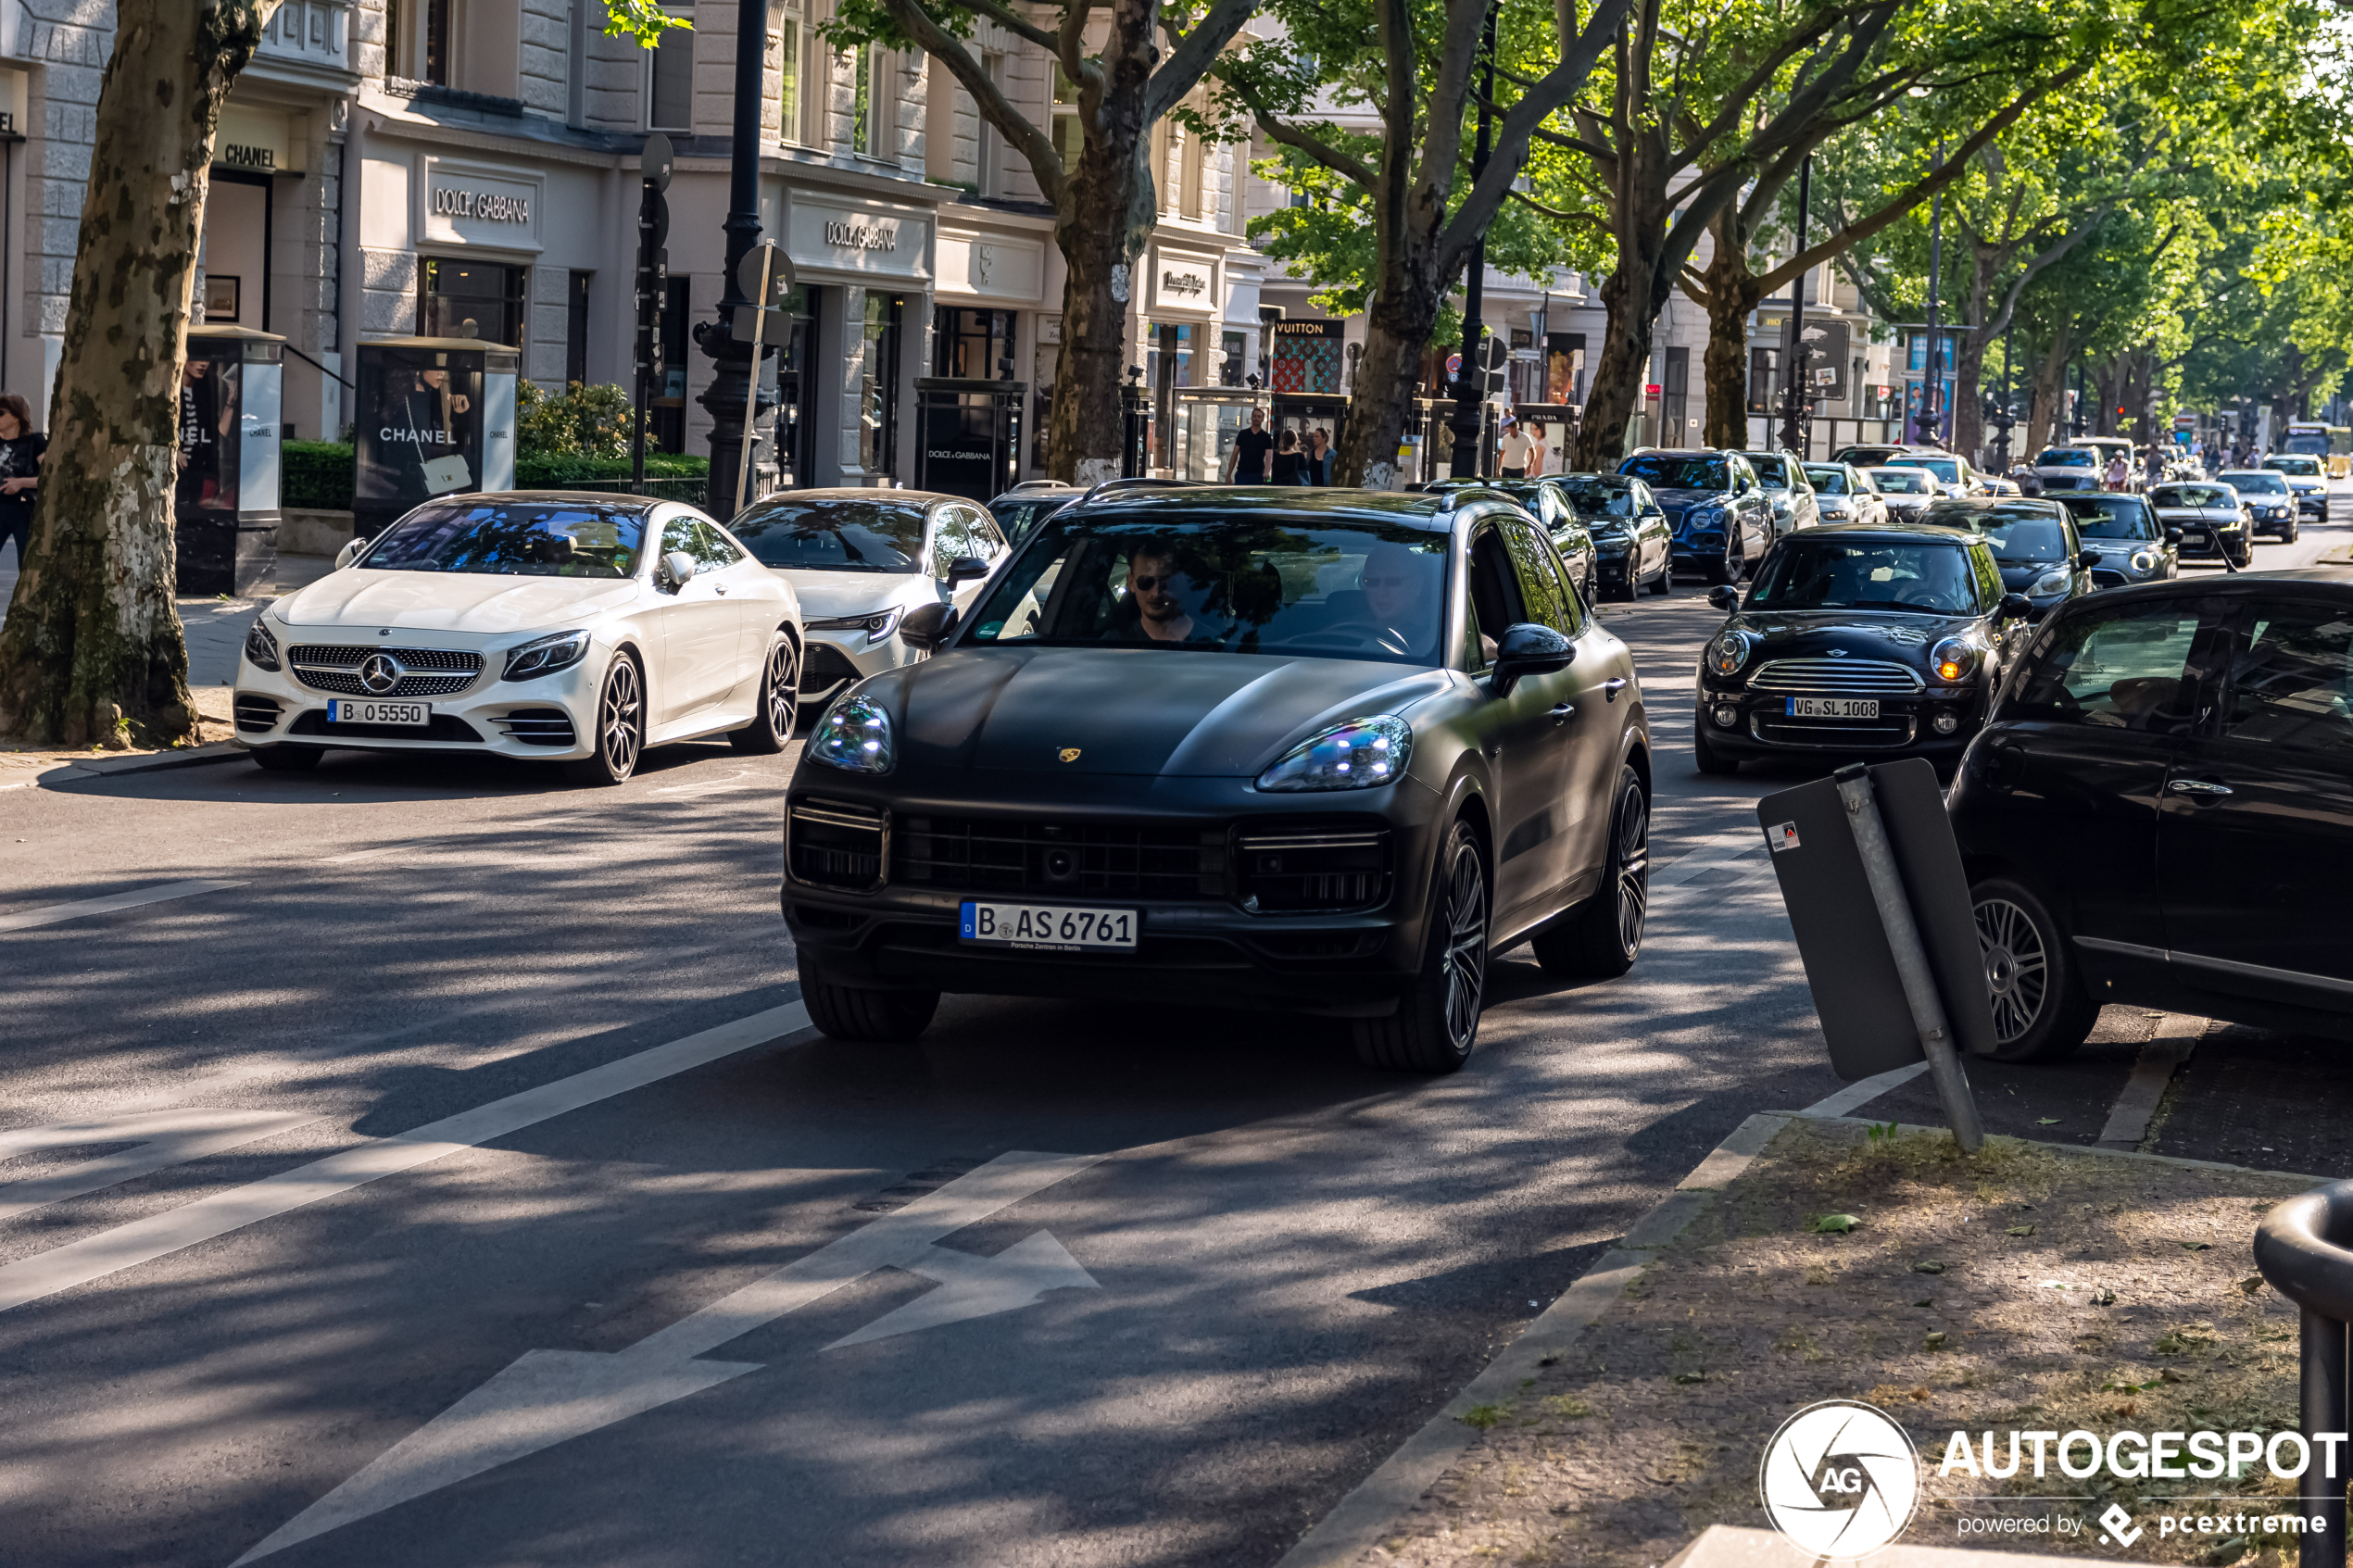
970	435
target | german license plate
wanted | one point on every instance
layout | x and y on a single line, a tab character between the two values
1833	707
1049	928
367	710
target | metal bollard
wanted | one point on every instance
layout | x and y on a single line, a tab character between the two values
2300	1248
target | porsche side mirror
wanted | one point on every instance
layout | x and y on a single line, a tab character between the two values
675	569
1724	596
2016	607
2172	535
924	627
1529	649
350	553
966	569
2088	559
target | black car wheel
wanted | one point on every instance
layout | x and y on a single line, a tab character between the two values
1592	585
844	1012
620	735
2040	1011
1603	936
779	705
287	758
1665	582
1705	757
2287	535
1437	1020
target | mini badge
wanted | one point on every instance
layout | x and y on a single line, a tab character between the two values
1784	836
1070	754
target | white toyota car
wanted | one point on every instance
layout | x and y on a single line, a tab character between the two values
544	625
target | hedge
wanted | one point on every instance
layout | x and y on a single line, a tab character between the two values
317	474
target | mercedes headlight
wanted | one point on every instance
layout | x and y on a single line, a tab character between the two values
261	648
1729	651
2144	560
854	736
2048	584
1955	658
1359	754
545	655
877	626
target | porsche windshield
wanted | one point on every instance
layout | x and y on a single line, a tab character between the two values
1358	590
512	538
845	536
1665	471
1805	574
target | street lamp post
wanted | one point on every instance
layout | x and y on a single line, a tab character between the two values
1933	394
1470	383
733	398
1793	395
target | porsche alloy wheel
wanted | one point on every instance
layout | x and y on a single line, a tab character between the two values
620	735
779	705
2040	1013
1437	1020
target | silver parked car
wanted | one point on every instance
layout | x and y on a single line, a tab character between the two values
1905	491
1787	488
1843	493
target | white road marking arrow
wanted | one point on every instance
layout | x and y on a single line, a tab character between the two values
550	1397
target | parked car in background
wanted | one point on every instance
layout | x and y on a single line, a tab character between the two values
544	625
2062	469
2035	546
2160	811
1544	501
1843	493
1723	523
2307	478
1314	750
2273	506
1019	511
1634	545
2212	522
2124	532
1788	489
1904	492
1953	477
1885	641
1871	455
860	561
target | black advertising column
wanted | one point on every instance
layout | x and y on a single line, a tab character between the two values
734	383
653	279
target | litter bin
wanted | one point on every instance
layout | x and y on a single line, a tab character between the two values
225	503
436	416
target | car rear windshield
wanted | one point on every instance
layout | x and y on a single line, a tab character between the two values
1769	472
2064	458
2191	496
2303	468
1829	482
2112	517
1341	590
1019	516
1901	482
844	536
1599	497
562	539
1946	468
2255	484
1805	574
1666	471
2021	535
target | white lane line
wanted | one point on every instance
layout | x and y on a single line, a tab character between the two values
25	919
1861	1092
142	1241
165	1138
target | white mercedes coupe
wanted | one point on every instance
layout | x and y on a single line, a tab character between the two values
547	625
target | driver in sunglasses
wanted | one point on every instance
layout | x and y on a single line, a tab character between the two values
1153	575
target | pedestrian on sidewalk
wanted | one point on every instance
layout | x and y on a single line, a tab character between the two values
1319	457
20	449
1512	451
1252	448
1290	464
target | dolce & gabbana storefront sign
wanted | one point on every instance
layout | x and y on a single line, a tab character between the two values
470	204
824	237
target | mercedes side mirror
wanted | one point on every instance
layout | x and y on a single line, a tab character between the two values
675	569
1529	649
1724	596
924	627
2088	559
966	569
2016	607
350	553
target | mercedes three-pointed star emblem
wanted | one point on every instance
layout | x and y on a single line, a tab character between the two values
379	673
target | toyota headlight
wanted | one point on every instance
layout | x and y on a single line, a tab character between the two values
545	656
261	648
1729	651
2144	560
1955	658
1360	753
854	736
2048	584
877	626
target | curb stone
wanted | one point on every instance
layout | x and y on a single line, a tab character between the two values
155	762
1361	1519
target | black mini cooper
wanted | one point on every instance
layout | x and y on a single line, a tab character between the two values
1320	750
1884	639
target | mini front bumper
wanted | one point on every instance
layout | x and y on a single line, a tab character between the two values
1762	724
546	719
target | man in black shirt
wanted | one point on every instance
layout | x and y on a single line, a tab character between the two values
1253	448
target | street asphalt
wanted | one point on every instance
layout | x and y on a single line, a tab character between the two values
448	1181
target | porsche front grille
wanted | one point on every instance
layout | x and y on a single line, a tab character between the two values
1030	856
1289	869
1837	677
836	844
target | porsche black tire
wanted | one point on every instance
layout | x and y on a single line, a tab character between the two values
1437	1020
287	758
2041	1009
842	1012
779	705
1601	937
618	731
1705	756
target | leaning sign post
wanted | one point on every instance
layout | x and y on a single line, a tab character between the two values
1872	877
765	276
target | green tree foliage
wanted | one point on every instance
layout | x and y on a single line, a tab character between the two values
579	421
644	20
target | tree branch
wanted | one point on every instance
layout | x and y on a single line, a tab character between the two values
1011	20
1182	68
949	51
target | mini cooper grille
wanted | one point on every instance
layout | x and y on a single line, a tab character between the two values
834	844
1103	859
1830	734
256	712
538	726
1840	677
425	672
1305	867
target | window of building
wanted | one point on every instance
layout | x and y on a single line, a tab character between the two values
1674	385
879	386
1163	188
985	139
576	329
866	101
1760	380
971	343
417	40
669	82
788	74
1189	179
469	298
1070	138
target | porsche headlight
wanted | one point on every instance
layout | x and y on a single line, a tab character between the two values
261	648
1728	652
1953	660
1360	753
2048	584
854	736
545	655
877	626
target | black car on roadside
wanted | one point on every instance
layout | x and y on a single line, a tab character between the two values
1263	747
2127	541
2160	810
1019	511
2035	545
1547	501
1633	546
1723	518
1853	640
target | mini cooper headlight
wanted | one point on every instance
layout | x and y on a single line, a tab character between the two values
261	648
1728	652
1360	753
877	626
854	736
1953	660
2144	560
545	656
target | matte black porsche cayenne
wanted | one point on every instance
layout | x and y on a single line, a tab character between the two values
1260	747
